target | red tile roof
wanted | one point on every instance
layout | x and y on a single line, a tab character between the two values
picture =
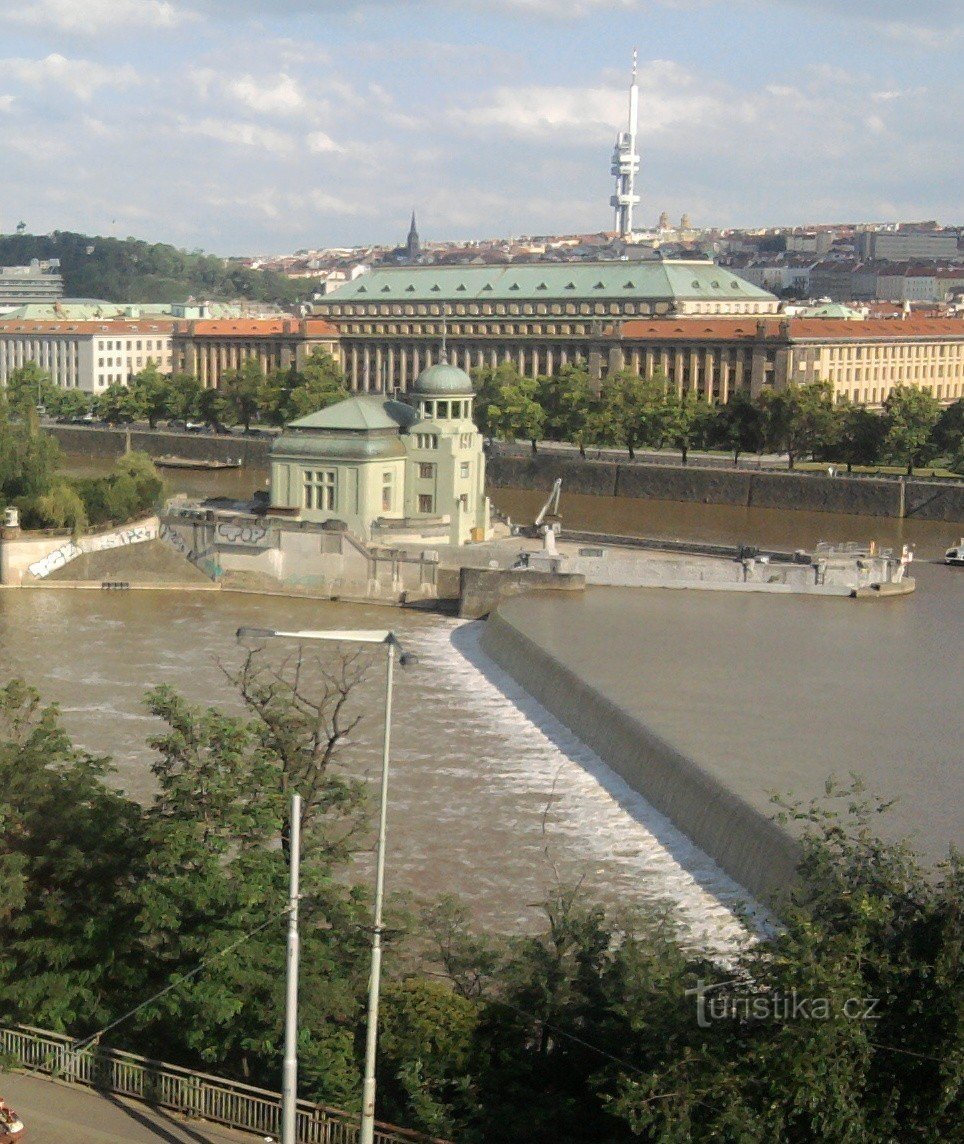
101	326
799	329
258	328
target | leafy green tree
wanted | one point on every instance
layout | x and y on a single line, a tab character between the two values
184	396
488	383
151	392
515	412
799	420
948	434
568	398
290	394
69	403
29	461
74	845
242	390
214	407
117	405
687	422
860	435
740	426
61	507
632	410
910	416
28	386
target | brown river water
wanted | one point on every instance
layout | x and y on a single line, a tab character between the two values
491	797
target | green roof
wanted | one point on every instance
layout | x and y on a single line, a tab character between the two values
365	413
659	280
91	309
444	380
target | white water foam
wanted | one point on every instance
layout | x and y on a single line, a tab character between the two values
589	807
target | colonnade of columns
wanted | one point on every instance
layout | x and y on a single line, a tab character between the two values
712	372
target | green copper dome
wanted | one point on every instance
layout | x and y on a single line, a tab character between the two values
443	380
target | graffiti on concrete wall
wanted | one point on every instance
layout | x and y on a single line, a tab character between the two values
70	550
243	532
201	560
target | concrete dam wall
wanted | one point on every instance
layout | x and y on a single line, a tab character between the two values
754	850
808	492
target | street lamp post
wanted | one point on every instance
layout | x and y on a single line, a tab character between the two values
390	641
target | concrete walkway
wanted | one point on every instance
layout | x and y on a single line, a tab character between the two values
68	1114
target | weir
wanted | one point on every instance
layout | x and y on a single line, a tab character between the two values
757	852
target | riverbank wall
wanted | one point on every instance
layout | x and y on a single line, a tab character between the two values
807	492
757	852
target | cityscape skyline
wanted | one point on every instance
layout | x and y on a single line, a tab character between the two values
239	132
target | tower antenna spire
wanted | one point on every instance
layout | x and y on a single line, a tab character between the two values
625	165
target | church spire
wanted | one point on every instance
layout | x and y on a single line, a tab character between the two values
413	246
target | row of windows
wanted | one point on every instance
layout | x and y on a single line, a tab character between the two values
130	344
875	395
444	410
495	308
855	353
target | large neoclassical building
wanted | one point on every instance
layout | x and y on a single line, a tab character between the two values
389	469
541	317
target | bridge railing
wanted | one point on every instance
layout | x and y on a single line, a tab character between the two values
180	1090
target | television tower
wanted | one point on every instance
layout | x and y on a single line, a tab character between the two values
626	165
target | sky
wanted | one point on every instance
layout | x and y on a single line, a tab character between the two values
254	127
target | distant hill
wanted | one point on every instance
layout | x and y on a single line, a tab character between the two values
129	270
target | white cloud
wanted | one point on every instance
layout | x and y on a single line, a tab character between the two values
95	17
321	144
280	95
82	78
239	134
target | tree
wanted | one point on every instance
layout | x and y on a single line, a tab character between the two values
242	391
860	435
632	410
28	387
117	405
948	434
151	392
488	384
799	420
74	846
515	411
213	407
290	394
741	425
910	416
184	395
568	399
68	403
687	421
29	461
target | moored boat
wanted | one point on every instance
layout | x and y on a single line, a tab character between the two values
169	462
955	555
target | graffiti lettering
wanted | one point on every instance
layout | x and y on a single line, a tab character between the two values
135	534
229	532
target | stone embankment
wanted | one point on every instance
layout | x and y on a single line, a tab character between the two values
808	492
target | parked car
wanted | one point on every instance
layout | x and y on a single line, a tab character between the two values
177	423
197	427
11	1126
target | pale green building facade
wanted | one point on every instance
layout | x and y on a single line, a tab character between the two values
389	469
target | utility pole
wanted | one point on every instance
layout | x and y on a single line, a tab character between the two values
289	1075
367	1135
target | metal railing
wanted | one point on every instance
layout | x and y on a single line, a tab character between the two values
180	1090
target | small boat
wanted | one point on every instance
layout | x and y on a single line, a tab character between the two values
189	463
955	555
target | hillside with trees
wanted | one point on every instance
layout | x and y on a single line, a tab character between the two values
131	270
